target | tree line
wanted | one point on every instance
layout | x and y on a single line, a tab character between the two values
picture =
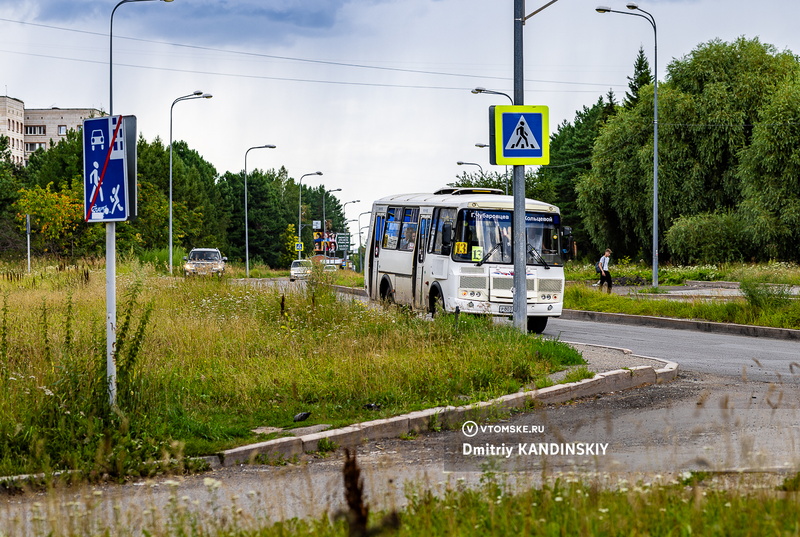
208	208
729	176
729	160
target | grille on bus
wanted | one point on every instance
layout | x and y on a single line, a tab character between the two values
550	286
472	282
506	284
502	284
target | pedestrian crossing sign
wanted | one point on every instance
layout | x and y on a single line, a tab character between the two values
519	135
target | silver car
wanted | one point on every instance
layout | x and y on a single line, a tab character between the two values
204	261
300	270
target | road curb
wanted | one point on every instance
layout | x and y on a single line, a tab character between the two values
683	324
450	417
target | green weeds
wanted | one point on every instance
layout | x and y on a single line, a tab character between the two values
202	362
762	306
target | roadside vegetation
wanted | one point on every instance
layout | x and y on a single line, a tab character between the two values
566	504
766	295
201	362
639	273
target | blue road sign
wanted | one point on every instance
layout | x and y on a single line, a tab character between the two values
105	169
519	135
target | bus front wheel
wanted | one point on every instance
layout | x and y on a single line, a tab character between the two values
537	325
436	302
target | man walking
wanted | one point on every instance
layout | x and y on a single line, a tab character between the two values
605	275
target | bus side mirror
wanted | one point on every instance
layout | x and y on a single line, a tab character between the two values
447	237
447	234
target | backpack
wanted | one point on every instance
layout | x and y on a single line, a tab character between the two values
597	268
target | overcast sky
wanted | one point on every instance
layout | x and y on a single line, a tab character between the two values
373	93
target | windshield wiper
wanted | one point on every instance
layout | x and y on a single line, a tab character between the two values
489	254
537	254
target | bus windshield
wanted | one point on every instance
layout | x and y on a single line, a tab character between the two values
484	236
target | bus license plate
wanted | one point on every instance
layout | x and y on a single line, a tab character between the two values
507	309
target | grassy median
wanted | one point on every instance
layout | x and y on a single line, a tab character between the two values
201	362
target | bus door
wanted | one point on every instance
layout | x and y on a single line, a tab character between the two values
420	290
379	217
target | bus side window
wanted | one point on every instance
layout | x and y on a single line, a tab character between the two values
442	242
391	233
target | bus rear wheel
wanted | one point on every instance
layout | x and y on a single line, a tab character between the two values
537	325
386	293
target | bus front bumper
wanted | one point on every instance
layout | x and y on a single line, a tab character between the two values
550	309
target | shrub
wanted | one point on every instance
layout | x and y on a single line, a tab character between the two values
708	238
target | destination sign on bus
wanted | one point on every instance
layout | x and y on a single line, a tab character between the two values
504	216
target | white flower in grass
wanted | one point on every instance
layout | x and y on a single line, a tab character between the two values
212	483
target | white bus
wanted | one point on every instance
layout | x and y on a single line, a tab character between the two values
452	250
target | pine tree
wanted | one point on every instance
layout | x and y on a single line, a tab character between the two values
641	77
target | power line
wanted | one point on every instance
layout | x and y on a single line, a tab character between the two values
264	77
296	59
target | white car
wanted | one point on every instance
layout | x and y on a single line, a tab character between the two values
300	270
97	139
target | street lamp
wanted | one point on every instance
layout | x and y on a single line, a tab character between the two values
649	18
111	241
324	222
484	146
246	230
462	163
300	207
111	53
492	92
345	205
195	95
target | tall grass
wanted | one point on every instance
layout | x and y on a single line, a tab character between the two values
202	362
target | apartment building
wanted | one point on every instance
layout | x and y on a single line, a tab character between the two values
30	129
12	124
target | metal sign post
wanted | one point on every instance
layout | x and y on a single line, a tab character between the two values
109	165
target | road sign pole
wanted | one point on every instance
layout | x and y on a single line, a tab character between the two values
518	225
111	311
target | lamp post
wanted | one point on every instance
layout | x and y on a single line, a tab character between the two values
345	205
462	163
324	222
345	215
111	53
492	92
518	171
111	241
300	208
195	95
649	18
246	230
485	146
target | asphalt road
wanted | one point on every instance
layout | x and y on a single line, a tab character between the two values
761	359
733	407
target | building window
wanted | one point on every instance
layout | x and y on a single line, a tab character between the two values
30	147
35	130
62	130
